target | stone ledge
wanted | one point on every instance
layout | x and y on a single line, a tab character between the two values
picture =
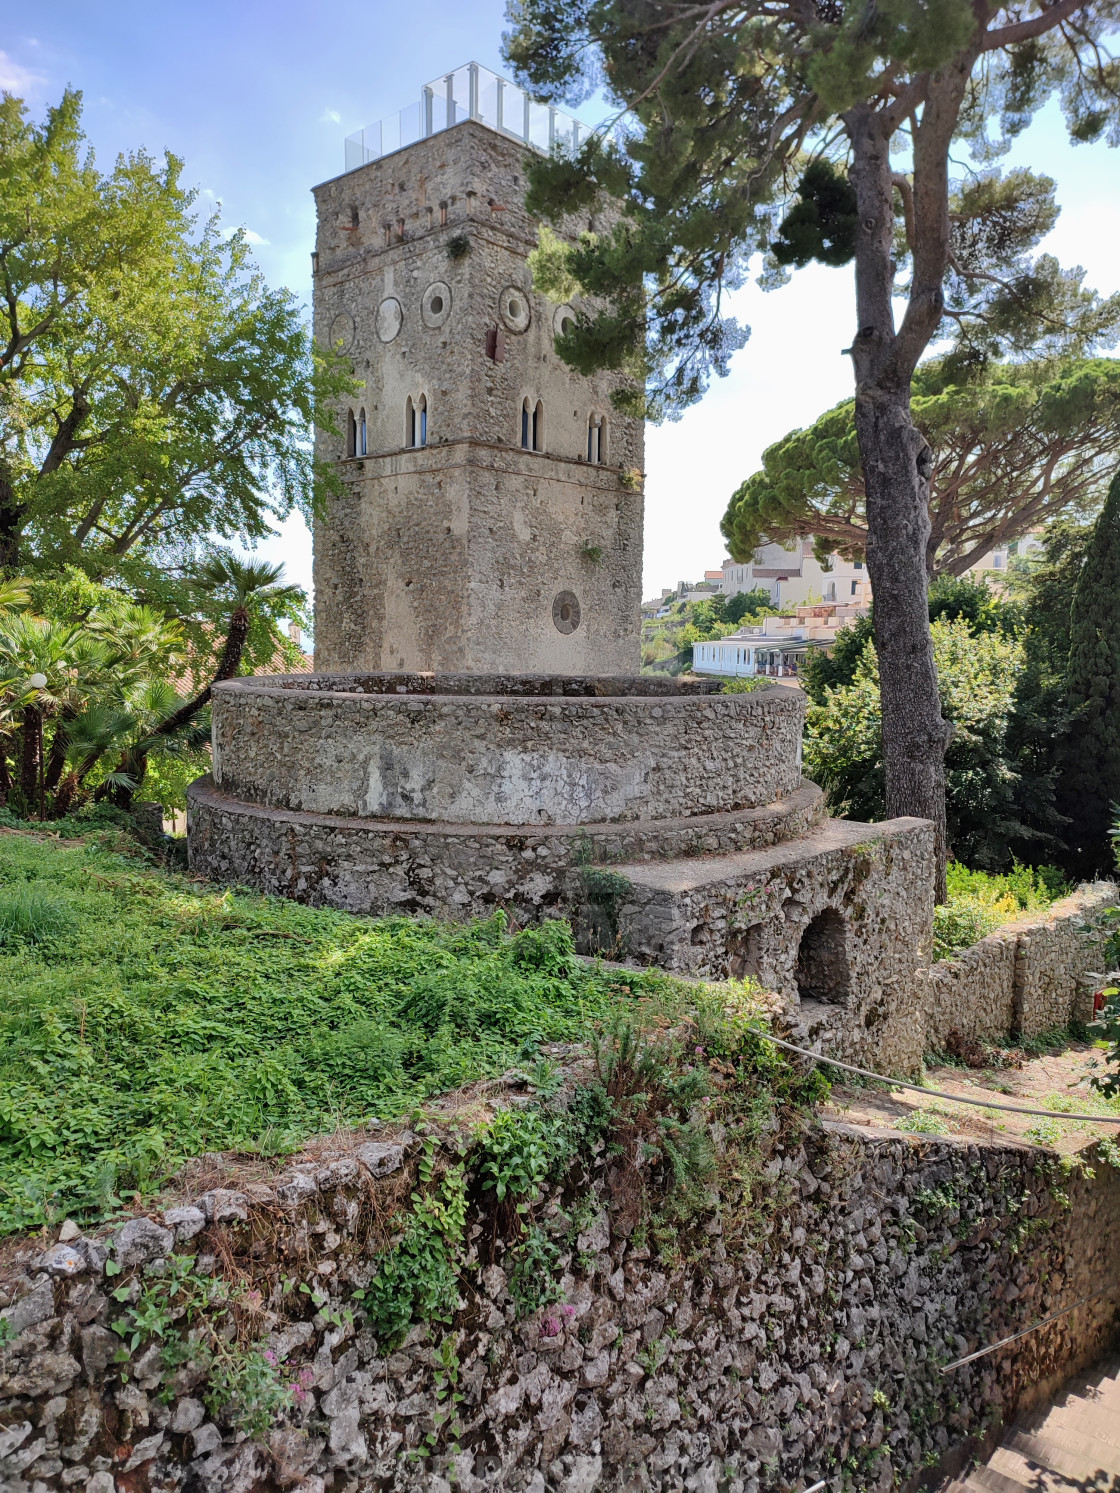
704	871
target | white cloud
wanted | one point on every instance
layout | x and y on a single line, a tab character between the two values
254	238
15	78
330	116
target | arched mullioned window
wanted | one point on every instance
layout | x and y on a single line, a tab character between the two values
361	447
422	420
351	433
526	425
538	426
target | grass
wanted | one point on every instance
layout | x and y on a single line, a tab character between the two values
980	902
146	1018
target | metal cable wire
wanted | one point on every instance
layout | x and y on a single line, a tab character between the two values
898	1083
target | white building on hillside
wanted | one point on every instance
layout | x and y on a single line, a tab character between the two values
776	646
795	577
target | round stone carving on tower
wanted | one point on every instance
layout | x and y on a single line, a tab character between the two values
390	318
513	308
435	304
565	612
563	321
341	334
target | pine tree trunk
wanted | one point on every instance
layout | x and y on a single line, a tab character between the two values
897	465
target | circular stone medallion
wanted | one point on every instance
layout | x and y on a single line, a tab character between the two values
390	318
565	612
513	308
435	304
563	321
341	334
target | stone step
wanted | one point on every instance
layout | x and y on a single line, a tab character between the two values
1078	1422
984	1479
1032	1473
1074	1456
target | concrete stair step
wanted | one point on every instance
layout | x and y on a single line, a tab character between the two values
1028	1459
1077	1424
985	1479
1077	1456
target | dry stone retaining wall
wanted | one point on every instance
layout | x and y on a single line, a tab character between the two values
812	1348
1028	977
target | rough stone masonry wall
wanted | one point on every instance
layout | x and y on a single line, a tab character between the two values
1027	978
810	1348
382	867
503	758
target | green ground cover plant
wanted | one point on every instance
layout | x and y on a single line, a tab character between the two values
146	1018
980	902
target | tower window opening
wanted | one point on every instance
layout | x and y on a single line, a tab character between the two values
416	421
538	426
351	433
362	433
526	425
597	439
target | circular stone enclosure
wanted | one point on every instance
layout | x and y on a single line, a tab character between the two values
509	749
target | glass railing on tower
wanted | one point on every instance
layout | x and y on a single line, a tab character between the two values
470	92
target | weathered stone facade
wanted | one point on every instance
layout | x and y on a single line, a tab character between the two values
459	554
813	1350
482	750
836	922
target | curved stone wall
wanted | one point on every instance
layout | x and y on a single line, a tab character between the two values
396	866
488	749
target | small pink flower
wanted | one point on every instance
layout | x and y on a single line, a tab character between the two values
550	1327
299	1394
270	1357
305	1378
567	1312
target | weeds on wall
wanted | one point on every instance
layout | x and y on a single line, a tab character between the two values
682	1107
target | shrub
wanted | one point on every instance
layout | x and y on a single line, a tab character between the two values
29	914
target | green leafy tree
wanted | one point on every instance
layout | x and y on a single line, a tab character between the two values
723	106
1012	446
747	606
154	392
1090	780
993	815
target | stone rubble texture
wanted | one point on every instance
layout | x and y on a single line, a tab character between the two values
813	1349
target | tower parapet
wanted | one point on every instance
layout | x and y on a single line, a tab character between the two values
488	520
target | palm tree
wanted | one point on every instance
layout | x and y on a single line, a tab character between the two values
243	586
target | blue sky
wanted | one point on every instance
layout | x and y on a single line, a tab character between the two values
257	98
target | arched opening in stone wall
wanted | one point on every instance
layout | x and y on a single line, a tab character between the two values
526	425
538	426
351	433
823	972
361	433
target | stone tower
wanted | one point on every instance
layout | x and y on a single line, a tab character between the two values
491	519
